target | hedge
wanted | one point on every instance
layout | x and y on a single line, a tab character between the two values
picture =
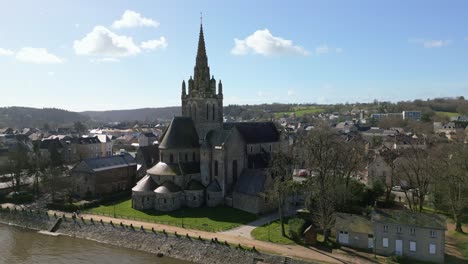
296	228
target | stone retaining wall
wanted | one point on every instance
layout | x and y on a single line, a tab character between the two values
180	247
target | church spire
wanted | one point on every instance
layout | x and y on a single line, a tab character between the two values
201	71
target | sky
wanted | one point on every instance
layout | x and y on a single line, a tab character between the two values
105	55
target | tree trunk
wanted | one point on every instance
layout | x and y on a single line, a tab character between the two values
325	235
280	212
458	223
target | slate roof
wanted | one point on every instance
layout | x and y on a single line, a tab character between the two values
167	169
407	217
86	140
251	181
180	134
353	223
167	187
216	137
213	187
111	162
255	132
148	154
194	185
146	184
48	143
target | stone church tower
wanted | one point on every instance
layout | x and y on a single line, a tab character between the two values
201	102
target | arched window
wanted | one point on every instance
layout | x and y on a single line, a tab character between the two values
193	156
194	110
186	157
234	170
270	147
171	158
216	168
162	157
207	112
213	112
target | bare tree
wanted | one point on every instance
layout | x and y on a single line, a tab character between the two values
416	167
451	188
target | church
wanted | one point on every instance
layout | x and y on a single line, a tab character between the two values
205	161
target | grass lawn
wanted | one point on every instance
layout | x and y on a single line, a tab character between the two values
272	233
461	241
208	219
447	114
301	110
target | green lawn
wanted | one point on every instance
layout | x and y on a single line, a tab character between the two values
462	242
208	219
272	233
301	110
447	114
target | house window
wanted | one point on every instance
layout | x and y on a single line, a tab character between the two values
398	229
147	199
193	156
385	228
270	147
385	242
165	201
216	168
194	198
412	246
186	157
412	231
142	200
433	233
251	149
432	249
171	158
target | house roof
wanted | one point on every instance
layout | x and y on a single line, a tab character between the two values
353	222
255	132
194	185
111	162
162	168
48	143
167	187
407	217
180	134
214	187
86	140
251	181
146	184
149	154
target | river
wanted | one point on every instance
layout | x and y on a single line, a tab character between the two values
19	245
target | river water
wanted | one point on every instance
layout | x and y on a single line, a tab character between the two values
19	245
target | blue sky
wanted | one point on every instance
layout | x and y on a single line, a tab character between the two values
102	55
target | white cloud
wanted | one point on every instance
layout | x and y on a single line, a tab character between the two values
133	19
291	93
154	44
431	43
6	52
103	42
264	43
37	55
105	60
322	49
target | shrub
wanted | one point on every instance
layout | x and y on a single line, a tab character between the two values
296	228
17	198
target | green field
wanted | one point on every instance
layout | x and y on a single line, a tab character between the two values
447	114
272	233
208	219
301	110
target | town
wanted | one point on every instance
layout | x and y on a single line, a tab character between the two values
370	182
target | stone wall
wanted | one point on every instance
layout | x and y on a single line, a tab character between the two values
180	247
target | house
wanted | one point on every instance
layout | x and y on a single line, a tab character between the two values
85	147
354	231
411	115
379	170
147	139
414	235
103	175
106	145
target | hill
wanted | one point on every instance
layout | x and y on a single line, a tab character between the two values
142	114
19	117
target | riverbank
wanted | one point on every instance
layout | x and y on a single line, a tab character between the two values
179	247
